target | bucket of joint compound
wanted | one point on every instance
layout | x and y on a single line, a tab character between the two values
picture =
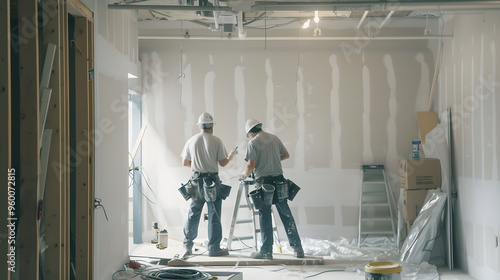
383	271
268	193
281	190
257	197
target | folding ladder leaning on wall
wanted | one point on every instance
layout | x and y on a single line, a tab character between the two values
377	209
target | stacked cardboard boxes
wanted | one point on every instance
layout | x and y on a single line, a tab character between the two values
417	177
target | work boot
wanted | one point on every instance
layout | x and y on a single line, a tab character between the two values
218	252
299	252
186	254
259	255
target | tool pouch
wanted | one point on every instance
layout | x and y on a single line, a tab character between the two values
209	189
293	189
281	190
223	191
257	197
184	190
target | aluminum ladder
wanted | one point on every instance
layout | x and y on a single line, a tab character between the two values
254	218
377	208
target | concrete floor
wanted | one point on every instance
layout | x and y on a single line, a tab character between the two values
331	269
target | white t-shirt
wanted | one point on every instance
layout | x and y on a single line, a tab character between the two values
204	150
266	149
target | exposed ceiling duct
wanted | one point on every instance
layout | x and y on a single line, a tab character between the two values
227	15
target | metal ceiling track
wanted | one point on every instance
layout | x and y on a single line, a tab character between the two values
292	38
442	5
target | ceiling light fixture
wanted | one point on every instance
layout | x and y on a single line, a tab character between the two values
316	16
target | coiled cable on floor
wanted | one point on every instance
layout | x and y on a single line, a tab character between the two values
172	274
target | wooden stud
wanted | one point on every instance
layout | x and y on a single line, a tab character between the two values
63	7
28	241
91	194
55	212
5	128
82	170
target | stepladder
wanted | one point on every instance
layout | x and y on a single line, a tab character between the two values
245	220
377	208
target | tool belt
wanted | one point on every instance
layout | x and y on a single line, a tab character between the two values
207	185
284	188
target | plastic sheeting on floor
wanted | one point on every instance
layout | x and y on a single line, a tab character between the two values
373	249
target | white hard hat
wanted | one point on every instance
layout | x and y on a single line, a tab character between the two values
251	123
205	118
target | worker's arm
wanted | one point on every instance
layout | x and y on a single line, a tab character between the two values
186	162
284	155
248	170
225	161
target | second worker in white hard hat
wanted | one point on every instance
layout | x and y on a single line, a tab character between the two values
203	153
264	154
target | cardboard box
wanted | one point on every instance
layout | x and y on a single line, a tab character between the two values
413	200
420	173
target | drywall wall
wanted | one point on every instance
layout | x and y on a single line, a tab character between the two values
469	84
336	105
116	54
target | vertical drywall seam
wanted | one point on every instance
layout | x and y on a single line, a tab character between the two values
269	96
480	91
209	93
469	108
494	124
423	87
239	95
367	151
209	85
336	160
392	151
299	150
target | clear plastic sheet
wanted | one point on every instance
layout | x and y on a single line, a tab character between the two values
345	249
426	232
374	249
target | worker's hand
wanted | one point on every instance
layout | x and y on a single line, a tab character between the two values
243	176
233	153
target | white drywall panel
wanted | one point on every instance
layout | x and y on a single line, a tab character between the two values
311	94
111	64
469	86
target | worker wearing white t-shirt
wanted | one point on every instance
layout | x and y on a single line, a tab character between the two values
264	154
203	153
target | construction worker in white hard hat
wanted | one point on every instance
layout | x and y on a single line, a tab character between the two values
264	154
203	153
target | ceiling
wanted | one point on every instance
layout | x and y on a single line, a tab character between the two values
238	15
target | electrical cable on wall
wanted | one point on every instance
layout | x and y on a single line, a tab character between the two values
97	204
144	175
139	187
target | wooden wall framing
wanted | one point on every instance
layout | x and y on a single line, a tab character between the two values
33	43
5	130
84	146
56	201
27	238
